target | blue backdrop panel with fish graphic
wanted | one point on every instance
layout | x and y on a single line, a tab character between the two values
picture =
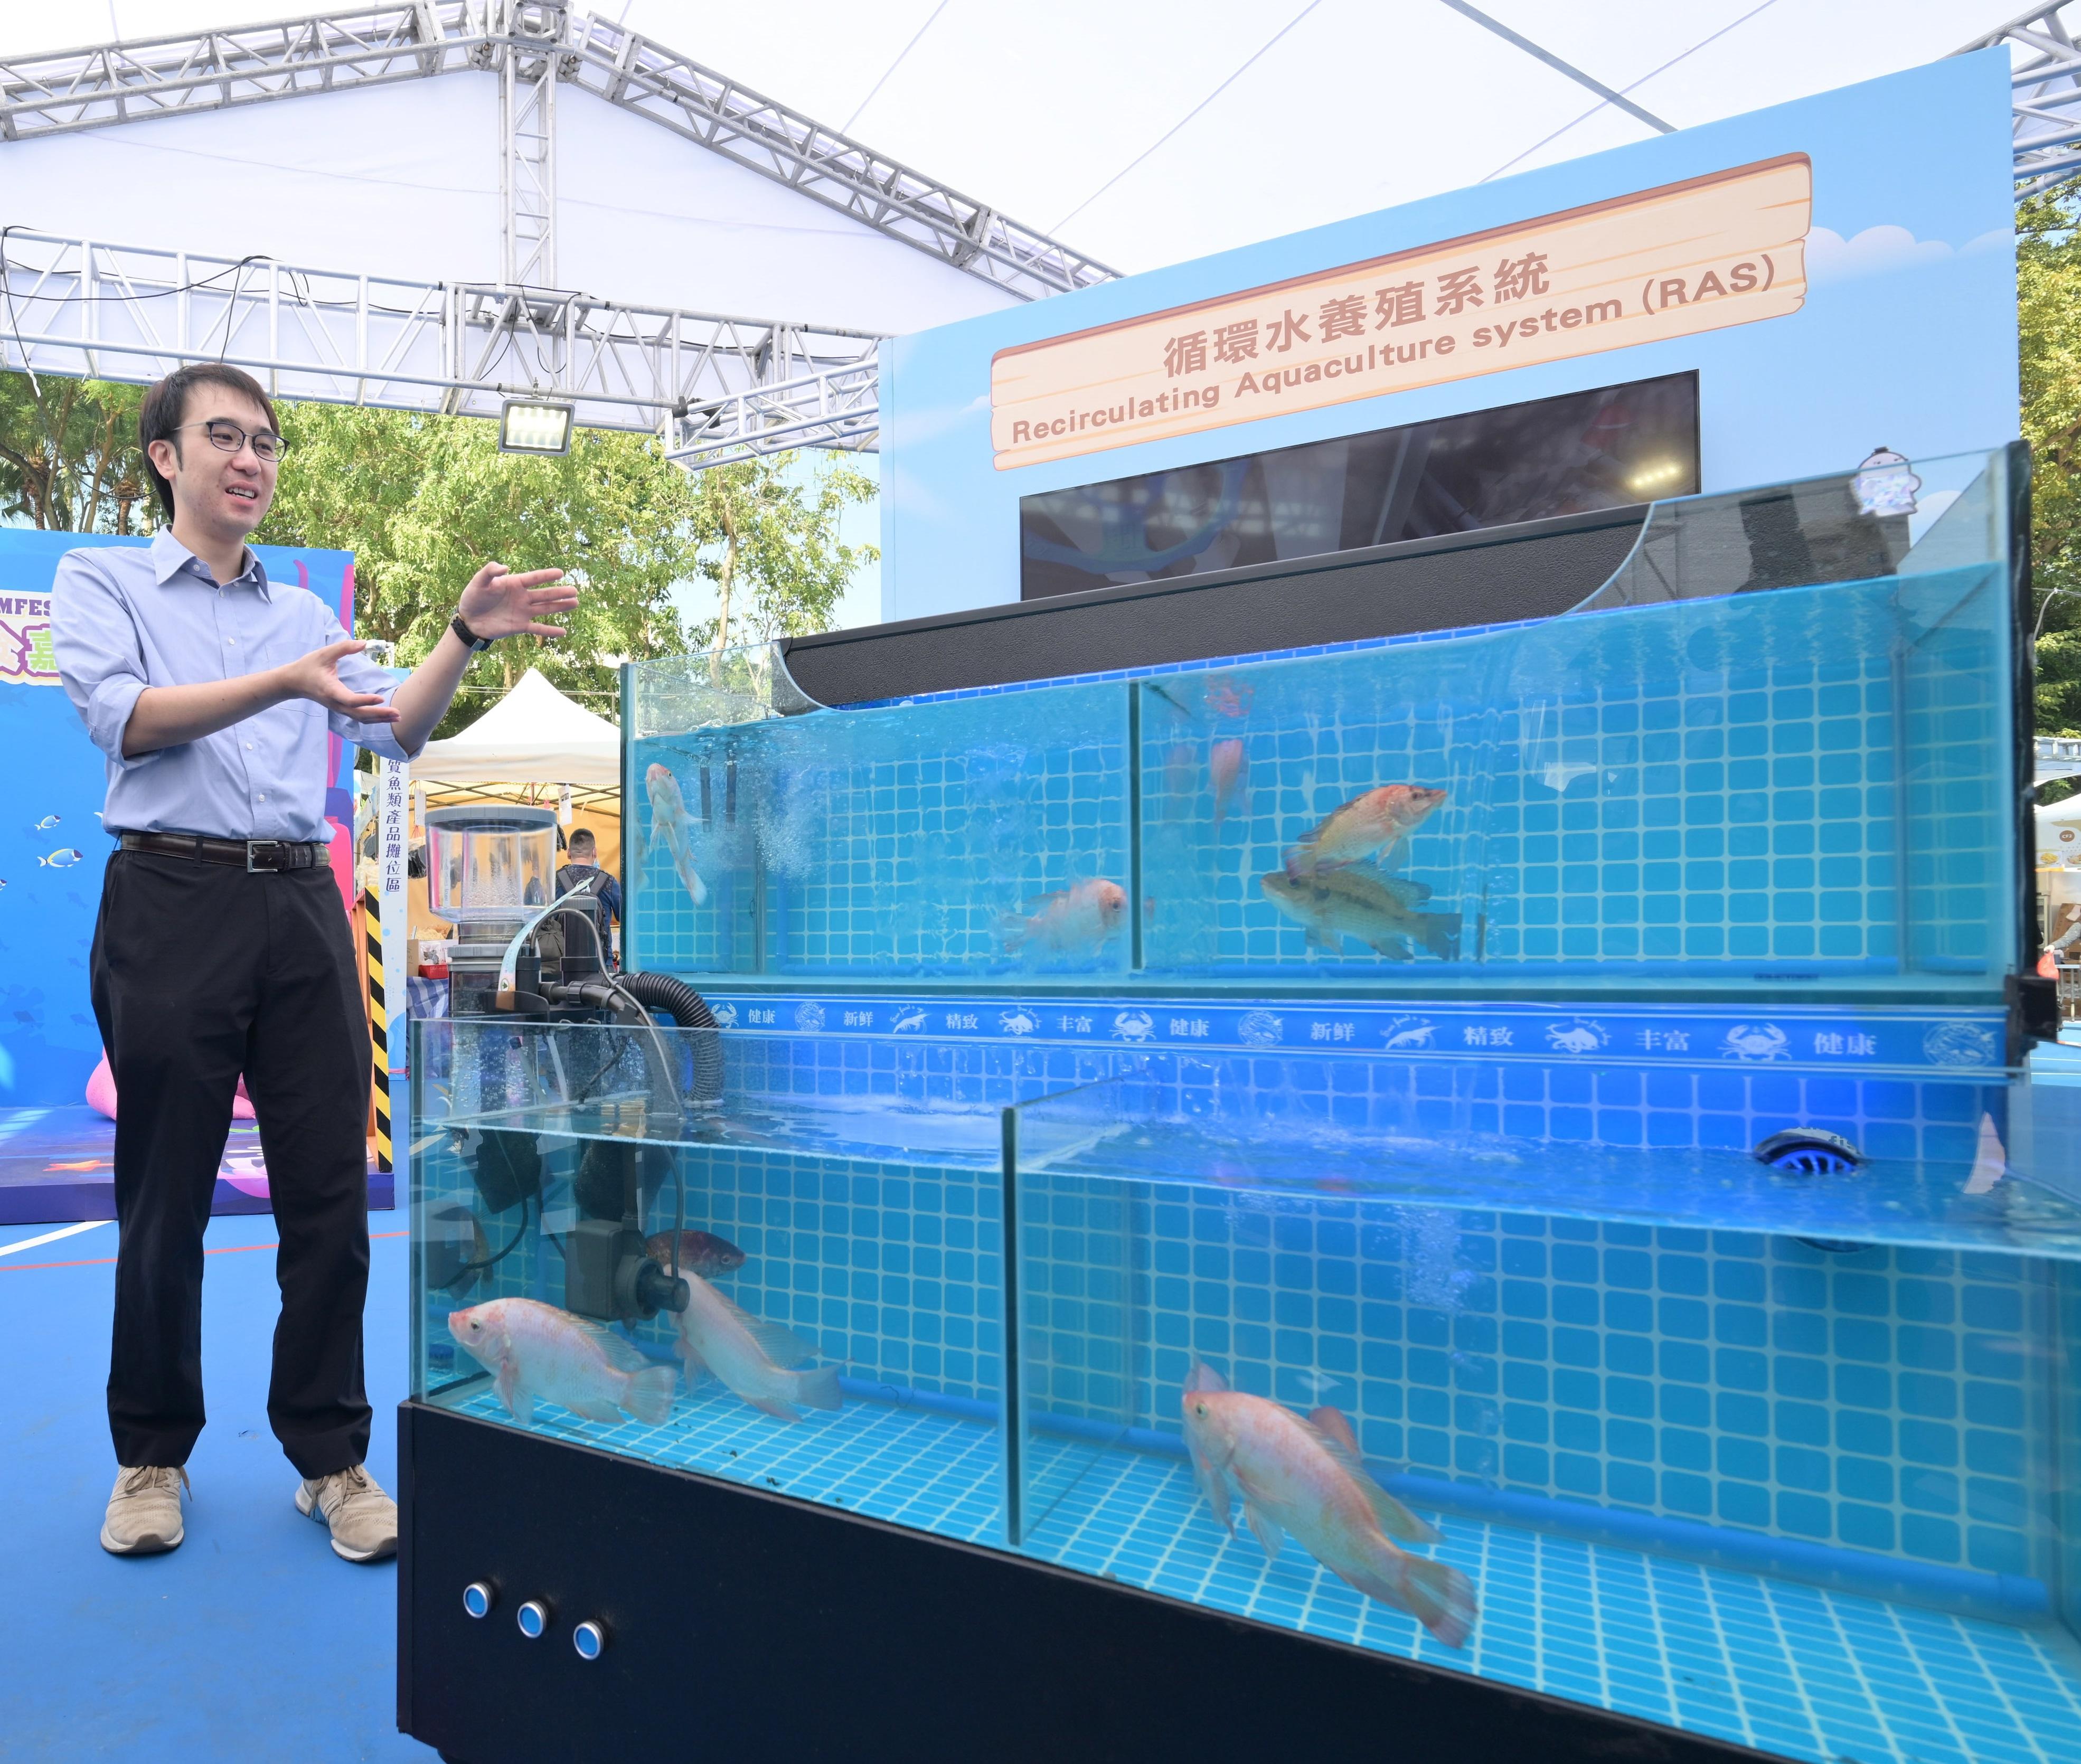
51	846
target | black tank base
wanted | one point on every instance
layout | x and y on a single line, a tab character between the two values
743	1625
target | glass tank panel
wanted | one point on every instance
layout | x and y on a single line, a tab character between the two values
1444	1360
1756	790
1772	755
841	1337
966	839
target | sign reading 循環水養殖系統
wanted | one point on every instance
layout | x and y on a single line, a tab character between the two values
1701	254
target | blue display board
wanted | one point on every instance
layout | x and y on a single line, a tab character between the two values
52	846
1839	272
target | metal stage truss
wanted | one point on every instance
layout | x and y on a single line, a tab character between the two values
112	312
532	44
2046	83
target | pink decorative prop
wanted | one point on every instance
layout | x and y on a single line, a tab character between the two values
101	1095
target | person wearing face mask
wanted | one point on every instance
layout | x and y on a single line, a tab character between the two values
221	946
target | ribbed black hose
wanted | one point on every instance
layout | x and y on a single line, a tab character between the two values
690	1011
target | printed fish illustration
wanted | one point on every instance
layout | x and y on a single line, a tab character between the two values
700	1252
1306	1478
1359	902
536	1351
749	1356
1079	917
668	815
63	859
909	1020
1366	826
1225	766
45	824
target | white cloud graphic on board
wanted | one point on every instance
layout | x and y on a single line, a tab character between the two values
1882	250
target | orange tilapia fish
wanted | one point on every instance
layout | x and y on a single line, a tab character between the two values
1080	918
1224	699
1374	823
1305	1477
533	1350
1225	766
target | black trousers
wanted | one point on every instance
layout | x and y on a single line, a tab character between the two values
201	971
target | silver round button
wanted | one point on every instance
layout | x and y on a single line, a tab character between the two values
589	1639
533	1618
478	1598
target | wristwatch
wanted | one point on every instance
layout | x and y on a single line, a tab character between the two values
477	646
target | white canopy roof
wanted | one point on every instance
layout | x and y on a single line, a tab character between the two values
534	735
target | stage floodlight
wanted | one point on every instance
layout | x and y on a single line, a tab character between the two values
531	426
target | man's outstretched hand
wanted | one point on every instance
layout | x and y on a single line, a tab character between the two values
496	604
316	677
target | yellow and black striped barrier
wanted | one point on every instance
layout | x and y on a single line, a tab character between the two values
379	1022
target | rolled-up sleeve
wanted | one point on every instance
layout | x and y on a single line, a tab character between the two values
358	674
101	658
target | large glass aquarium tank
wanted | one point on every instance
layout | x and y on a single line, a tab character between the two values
1512	1150
1743	764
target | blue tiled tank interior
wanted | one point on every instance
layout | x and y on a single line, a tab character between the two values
1800	788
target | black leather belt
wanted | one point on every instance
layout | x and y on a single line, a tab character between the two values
246	853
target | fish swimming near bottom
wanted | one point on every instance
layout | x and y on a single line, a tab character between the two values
700	1252
1359	901
749	1356
1305	1477
536	1351
1080	918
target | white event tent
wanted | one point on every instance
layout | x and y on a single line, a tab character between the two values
534	735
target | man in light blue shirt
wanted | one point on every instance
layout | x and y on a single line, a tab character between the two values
221	948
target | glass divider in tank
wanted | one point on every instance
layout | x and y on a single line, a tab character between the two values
1137	908
1012	1424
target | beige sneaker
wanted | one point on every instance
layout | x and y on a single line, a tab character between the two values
362	1517
145	1511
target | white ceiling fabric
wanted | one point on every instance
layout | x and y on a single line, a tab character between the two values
1358	105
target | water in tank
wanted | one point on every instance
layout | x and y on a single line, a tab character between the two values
1742	1401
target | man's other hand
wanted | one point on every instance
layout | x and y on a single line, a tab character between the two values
496	604
316	677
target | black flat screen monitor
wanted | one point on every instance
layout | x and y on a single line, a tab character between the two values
1572	454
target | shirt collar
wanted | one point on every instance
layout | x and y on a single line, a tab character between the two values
170	557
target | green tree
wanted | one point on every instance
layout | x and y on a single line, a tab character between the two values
423	500
70	460
770	544
2049	323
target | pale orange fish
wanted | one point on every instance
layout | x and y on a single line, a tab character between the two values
1225	766
750	1354
1224	699
668	822
1305	1477
534	1349
1374	822
1079	918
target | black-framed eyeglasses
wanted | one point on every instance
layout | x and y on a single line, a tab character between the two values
227	435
